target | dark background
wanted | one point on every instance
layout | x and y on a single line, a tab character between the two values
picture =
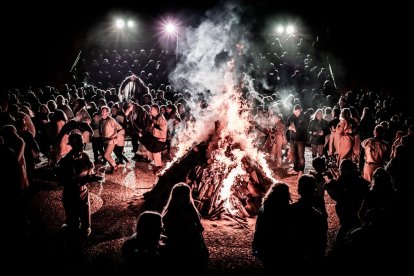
40	42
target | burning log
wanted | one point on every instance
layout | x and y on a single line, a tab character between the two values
178	172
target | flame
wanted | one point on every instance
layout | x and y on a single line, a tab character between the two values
234	139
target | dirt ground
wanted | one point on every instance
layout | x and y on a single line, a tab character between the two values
115	206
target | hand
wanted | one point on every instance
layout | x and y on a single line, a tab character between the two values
320	132
314	133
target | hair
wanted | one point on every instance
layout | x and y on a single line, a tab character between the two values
316	112
59	115
328	110
156	106
180	197
105	107
297	107
277	195
379	131
346	114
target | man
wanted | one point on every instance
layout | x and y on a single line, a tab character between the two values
159	132
376	151
297	124
75	170
109	132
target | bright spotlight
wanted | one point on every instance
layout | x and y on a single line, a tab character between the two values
130	24
120	23
170	28
280	29
290	29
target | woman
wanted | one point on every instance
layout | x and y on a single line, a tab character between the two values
318	129
272	241
344	129
183	228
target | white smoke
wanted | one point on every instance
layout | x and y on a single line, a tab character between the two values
202	66
209	61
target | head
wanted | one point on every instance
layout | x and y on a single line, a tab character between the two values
307	186
347	167
381	181
75	140
379	131
96	117
155	110
163	109
278	195
345	114
105	112
297	110
318	114
114	110
180	197
319	164
342	102
149	226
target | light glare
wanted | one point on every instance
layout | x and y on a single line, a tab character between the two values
170	28
290	29
120	23
280	29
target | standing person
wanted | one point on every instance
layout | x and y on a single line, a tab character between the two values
345	133
376	152
187	249
121	119
159	133
297	125
74	171
277	139
109	132
318	129
97	143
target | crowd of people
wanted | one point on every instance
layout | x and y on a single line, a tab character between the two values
113	96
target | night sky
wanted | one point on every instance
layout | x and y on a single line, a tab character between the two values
371	42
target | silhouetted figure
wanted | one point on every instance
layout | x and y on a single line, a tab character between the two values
16	143
273	237
145	249
319	164
311	226
381	195
400	169
12	209
348	191
74	171
187	249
